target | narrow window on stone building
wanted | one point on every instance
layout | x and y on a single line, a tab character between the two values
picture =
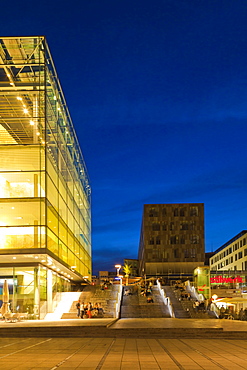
193	253
158	240
182	239
194	239
186	253
184	226
193	211
173	240
182	212
164	226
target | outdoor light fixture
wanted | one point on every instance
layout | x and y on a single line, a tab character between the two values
118	267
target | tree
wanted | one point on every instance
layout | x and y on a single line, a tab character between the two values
127	271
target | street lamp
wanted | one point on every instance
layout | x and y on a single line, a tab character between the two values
118	267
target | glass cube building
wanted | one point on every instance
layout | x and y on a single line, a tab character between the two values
45	211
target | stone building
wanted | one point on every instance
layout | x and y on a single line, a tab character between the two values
171	240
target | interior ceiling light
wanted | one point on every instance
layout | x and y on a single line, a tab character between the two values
25	110
31	123
19	98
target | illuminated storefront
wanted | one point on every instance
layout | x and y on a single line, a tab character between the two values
45	219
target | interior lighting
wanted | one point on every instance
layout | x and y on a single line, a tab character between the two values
38	133
36	257
25	110
31	123
19	98
43	260
14	258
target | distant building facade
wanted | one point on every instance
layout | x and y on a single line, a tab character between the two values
106	276
232	255
171	240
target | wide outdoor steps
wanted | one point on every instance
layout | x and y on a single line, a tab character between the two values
184	309
104	332
93	293
179	311
136	306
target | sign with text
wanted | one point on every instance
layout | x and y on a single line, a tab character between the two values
223	280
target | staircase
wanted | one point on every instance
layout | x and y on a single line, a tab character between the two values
136	306
179	311
184	308
93	293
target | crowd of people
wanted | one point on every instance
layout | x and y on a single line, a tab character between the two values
89	310
146	291
228	313
183	294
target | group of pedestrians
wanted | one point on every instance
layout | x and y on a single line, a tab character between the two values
230	314
146	291
88	311
182	293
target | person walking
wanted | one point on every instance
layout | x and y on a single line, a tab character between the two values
82	310
78	306
89	310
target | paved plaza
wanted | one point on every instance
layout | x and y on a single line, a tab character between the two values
94	353
122	353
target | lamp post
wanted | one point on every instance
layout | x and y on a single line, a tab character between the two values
118	267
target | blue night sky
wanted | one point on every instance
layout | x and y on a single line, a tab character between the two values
157	92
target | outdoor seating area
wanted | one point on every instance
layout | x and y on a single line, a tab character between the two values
13	316
5	312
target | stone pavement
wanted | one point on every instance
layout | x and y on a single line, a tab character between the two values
122	354
131	351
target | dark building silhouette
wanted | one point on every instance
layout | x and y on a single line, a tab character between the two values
171	240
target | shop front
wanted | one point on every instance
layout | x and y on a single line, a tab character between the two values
226	289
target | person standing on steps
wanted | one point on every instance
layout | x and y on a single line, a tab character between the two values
82	310
78	306
89	310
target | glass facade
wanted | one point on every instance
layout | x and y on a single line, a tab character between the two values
44	187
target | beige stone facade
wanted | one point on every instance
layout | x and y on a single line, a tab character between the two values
172	239
232	255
